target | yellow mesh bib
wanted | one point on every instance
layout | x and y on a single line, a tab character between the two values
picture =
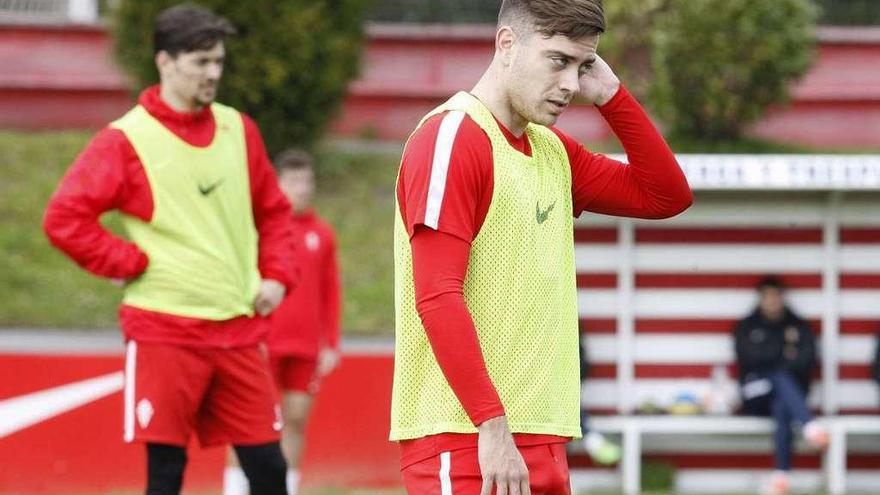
201	240
520	289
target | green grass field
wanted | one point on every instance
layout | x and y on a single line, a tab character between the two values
44	289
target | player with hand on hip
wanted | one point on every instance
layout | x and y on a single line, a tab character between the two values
208	258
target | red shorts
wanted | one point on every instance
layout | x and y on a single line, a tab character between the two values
223	395
295	373
547	464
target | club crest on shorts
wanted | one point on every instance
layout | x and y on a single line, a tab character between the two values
279	423
144	412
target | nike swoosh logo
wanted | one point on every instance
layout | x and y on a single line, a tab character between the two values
541	216
207	190
27	410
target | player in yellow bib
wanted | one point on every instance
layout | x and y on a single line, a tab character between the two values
208	257
486	378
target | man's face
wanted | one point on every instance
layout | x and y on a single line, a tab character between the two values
544	74
193	76
299	186
771	303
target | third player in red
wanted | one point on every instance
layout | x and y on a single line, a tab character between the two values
304	340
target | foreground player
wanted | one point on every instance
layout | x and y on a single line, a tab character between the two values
304	341
486	389
210	252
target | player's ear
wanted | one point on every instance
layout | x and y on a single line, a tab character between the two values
163	60
505	40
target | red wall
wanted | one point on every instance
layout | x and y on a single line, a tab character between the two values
62	78
58	78
82	451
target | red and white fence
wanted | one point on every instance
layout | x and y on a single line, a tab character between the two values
659	300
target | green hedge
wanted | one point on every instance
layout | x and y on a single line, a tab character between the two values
709	68
288	67
721	63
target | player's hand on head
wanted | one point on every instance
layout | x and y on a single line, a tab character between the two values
599	84
501	464
328	360
268	298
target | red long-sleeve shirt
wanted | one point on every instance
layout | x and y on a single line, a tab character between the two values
108	175
308	318
651	186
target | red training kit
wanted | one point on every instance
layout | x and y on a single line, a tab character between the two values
308	318
651	186
108	175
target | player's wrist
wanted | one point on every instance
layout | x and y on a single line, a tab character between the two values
609	95
494	426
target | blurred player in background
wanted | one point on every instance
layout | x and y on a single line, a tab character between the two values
776	356
601	450
211	245
486	389
304	341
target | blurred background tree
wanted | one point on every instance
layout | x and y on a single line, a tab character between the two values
626	44
708	68
288	67
721	63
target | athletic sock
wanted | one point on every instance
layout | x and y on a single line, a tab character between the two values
234	481
593	441
292	481
816	435
779	483
601	450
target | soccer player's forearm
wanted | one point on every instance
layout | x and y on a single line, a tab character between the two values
71	223
271	211
662	185
91	246
439	266
457	349
332	301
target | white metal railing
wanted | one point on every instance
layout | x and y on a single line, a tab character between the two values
634	428
799	172
790	172
49	11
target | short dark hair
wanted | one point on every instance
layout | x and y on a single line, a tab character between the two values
294	159
771	282
573	19
189	27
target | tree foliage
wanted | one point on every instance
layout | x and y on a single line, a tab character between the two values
626	43
721	63
288	67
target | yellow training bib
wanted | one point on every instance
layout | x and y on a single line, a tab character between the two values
201	240
520	289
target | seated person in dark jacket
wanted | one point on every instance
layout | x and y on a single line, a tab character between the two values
776	355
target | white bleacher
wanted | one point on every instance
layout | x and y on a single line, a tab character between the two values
822	229
49	11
